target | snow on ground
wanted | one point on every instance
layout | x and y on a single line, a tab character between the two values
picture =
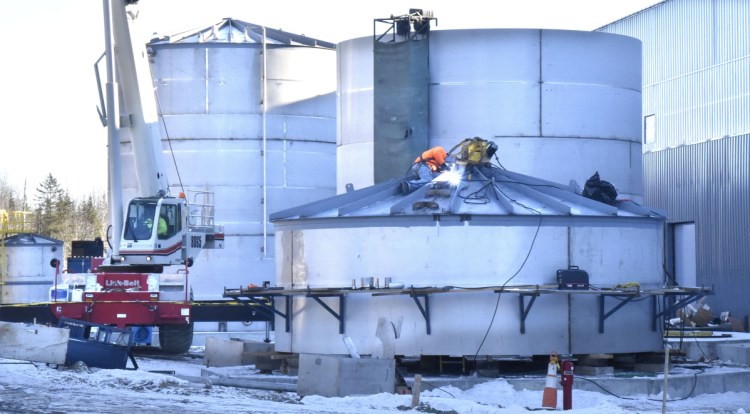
37	388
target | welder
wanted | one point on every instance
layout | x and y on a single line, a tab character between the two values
426	167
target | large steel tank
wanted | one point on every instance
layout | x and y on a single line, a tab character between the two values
475	256
560	104
28	275
248	113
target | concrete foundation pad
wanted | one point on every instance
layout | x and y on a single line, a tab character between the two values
680	385
339	376
597	371
222	352
35	343
738	354
710	349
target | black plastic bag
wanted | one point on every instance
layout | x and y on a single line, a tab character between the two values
600	190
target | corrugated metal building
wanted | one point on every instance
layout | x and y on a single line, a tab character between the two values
696	139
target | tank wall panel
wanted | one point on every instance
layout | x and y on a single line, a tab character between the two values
611	257
250	126
354	127
626	330
459	321
472	106
436	256
233	80
179	76
463	56
26	292
591	58
591	111
429	256
349	159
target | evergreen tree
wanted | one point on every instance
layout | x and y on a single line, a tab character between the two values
48	194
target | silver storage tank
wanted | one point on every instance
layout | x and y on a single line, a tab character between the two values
560	104
462	244
260	146
28	274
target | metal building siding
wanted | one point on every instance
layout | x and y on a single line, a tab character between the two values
696	70
708	184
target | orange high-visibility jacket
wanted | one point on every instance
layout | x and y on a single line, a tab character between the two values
433	157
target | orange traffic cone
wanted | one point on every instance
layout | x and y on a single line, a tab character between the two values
549	398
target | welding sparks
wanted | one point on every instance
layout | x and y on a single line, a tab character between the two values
453	176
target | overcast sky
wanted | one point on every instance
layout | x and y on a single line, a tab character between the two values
49	123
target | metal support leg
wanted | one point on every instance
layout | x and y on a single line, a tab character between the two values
525	309
689	299
424	309
339	315
270	309
603	316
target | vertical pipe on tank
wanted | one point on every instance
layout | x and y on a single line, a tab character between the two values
113	140
265	155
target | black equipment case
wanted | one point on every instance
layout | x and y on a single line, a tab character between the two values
572	278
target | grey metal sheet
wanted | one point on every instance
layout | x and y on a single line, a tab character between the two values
575	57
485	56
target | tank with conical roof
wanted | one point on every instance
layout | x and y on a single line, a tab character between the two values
247	112
479	257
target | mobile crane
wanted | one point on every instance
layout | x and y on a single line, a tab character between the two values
130	288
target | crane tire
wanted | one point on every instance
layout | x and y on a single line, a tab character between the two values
175	339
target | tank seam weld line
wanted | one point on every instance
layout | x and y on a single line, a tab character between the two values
530	82
564	137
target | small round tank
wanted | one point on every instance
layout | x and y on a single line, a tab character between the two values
28	274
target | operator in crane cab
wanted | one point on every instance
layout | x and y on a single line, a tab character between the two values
161	229
426	167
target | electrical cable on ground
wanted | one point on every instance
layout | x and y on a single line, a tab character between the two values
499	293
695	383
434	387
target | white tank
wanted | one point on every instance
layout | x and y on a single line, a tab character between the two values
28	274
462	244
559	104
260	146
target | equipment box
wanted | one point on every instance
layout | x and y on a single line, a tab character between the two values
572	278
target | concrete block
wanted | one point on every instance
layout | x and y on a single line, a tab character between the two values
339	376
595	371
34	343
738	353
651	367
222	352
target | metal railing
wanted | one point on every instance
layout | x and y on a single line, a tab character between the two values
200	209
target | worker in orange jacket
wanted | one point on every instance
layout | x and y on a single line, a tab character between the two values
426	167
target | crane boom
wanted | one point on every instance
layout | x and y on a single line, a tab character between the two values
157	229
138	117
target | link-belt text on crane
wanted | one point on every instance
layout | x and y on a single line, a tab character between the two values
122	283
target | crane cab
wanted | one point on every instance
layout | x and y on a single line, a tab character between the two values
153	231
163	231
